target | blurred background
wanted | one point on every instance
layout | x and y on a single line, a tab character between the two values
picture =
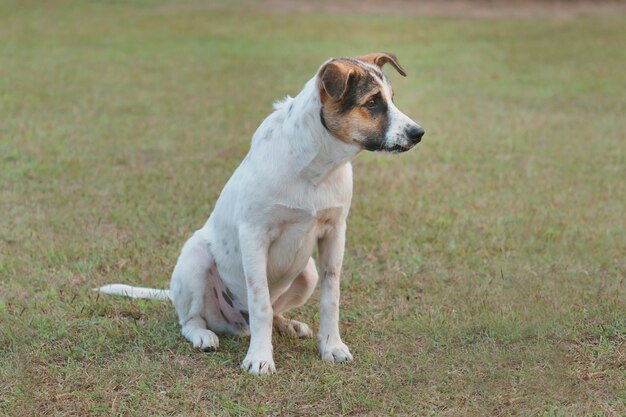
484	270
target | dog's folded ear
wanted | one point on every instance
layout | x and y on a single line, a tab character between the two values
334	78
381	58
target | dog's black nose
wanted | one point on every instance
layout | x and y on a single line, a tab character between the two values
415	133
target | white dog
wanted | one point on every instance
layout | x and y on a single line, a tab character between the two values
251	261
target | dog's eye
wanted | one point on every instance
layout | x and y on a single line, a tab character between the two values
371	103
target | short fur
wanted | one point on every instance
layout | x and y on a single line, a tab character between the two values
251	261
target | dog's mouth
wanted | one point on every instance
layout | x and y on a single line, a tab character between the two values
385	147
393	148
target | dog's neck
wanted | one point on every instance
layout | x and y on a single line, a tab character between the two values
316	152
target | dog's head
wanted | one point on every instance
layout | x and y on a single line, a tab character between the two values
357	104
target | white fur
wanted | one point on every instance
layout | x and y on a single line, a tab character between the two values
292	191
134	292
293	188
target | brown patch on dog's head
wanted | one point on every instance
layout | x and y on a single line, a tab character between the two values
354	106
335	77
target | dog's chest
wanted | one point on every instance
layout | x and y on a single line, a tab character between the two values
292	225
293	234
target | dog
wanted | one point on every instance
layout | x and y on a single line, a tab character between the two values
251	261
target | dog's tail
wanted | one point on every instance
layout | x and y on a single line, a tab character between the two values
134	292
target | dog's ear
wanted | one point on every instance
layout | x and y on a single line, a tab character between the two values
334	78
381	58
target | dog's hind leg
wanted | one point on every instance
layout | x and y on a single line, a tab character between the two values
187	290
196	332
296	295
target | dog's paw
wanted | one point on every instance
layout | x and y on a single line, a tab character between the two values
203	339
336	351
292	327
259	364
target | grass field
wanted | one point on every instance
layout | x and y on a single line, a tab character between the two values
484	271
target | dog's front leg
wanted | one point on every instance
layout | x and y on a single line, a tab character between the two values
254	246
331	247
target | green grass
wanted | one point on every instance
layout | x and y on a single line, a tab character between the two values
484	271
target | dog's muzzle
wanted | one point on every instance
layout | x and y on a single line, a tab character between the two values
412	136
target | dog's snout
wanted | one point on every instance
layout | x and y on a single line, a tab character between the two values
415	133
